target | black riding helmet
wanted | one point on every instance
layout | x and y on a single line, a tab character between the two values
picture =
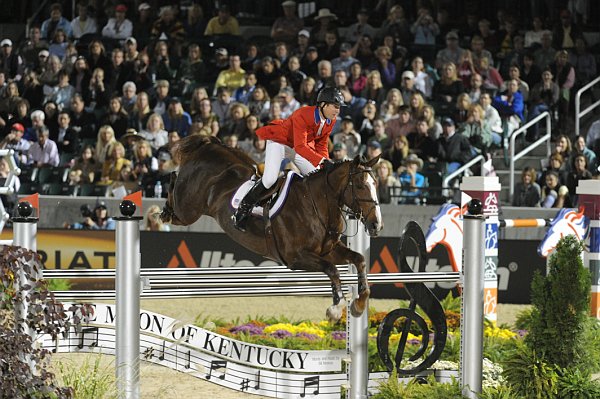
330	95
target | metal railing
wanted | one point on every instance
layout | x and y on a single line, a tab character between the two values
578	113
462	169
515	157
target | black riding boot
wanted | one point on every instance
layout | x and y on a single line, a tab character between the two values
240	217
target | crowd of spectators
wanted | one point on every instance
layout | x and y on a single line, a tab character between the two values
109	92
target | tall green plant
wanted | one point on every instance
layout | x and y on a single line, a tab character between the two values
560	306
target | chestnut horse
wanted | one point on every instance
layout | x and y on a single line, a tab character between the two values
305	233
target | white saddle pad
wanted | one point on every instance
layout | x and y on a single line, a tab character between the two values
258	210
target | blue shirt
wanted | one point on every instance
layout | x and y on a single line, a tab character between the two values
406	182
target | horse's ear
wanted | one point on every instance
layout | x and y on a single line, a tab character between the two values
356	160
373	161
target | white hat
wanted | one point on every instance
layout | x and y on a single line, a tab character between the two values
288	3
408	74
324	13
143	6
304	32
44	53
6	42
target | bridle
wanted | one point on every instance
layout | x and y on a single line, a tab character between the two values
354	208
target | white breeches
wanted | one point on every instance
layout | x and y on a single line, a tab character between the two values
275	153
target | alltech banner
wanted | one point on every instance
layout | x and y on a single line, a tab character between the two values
84	249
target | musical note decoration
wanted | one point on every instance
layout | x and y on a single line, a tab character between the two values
82	334
427	301
310	382
216	365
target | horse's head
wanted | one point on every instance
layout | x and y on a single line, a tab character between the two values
360	194
446	229
567	222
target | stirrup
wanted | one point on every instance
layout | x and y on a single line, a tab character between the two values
240	217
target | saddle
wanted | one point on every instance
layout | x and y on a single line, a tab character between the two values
275	196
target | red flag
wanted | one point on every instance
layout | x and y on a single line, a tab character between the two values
34	200
136	198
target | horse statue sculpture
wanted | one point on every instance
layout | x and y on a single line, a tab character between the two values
304	235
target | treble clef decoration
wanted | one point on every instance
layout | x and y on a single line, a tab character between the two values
427	301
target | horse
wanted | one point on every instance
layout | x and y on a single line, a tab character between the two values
305	234
446	229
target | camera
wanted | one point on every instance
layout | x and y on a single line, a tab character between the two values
86	211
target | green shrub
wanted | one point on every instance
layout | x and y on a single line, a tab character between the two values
528	375
394	389
575	384
59	284
523	320
561	307
89	380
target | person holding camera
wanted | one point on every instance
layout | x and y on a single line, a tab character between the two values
93	220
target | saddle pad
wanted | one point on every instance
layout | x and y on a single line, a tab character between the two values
258	210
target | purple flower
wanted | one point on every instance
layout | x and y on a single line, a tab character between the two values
414	341
522	333
308	336
249	328
338	335
281	334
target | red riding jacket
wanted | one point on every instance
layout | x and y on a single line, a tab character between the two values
304	131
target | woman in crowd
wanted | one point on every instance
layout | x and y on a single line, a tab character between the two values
104	142
33	91
198	95
478	132
554	194
463	104
387	184
556	165
389	108
176	118
138	118
579	147
466	69
112	166
447	89
116	117
579	171
423	82
155	132
153	222
95	95
374	89
367	121
86	163
564	147
385	66
435	128
145	166
260	103
417	105
207	117
398	152
543	97
192	70
527	191
236	125
357	80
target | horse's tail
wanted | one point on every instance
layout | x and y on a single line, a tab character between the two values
188	146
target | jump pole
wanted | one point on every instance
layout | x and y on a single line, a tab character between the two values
357	328
128	289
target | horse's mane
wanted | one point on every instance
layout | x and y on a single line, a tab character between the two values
187	149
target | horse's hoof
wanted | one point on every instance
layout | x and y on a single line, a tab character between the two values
355	310
334	313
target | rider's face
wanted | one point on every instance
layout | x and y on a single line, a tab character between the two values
331	111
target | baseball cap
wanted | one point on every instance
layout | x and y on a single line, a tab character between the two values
311	48
339	146
44	53
452	35
164	156
175	100
408	74
121	8
288	3
6	42
18	127
304	32
143	6
374	144
131	40
221	51
345	47
448	122
348	118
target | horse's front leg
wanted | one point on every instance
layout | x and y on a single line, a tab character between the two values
312	262
344	254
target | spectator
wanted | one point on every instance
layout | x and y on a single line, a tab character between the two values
565	33
340	153
379	134
345	60
195	23
407	87
533	37
82	121
116	117
398	151
491	115
118	27
492	80
514	72
579	171
463	103
44	152
169	29
286	28
309	64
374	89
144	165
251	123
236	124
466	69
454	149
165	66
527	191
104	142
9	100
86	164
80	76
564	76
308	93
129	97
32	90
476	85
402	125
302	44
396	25
357	80
584	62
268	75
131	52
233	77
97	58
62	93
14	141
373	150
554	195
447	89
155	132
142	26
223	23
423	82
386	68
452	53
21	114
348	136
367	121
112	166
478	51
476	129
544	56
356	31
544	97
10	63
153	222
590	156
363	50
120	72
425	32
98	221
354	105
556	164
421	143
288	102
391	106
387	184
510	107
325	75
514	57
564	147
143	74
30	49
325	22
161	98
56	21
207	117
66	138
38	118
411	180
293	73
192	70
83	24
59	44
95	94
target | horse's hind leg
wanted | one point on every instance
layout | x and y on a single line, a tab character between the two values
341	254
313	263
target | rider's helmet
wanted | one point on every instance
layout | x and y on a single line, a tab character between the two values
331	95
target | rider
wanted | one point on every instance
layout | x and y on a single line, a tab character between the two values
301	138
